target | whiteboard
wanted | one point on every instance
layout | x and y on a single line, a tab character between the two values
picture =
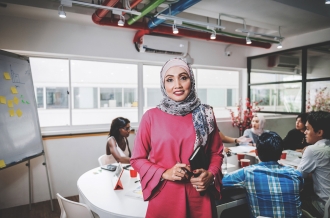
20	137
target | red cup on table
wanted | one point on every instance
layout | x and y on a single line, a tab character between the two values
240	156
283	155
245	162
133	173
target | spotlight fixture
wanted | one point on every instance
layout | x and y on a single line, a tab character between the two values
61	12
214	34
327	2
175	30
248	40
121	22
279	45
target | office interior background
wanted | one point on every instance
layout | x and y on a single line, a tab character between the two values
106	77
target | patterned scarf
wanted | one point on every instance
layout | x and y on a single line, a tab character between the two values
202	114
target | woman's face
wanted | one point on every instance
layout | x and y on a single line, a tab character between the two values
124	132
255	123
177	84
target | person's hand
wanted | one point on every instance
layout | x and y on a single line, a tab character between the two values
203	181
226	150
243	139
178	172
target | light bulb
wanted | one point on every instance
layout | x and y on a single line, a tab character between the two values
213	36
121	22
248	41
61	14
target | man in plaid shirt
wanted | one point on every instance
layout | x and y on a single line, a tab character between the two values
272	189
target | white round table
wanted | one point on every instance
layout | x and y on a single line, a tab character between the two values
96	190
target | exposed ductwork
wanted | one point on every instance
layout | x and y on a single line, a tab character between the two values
99	18
148	8
173	10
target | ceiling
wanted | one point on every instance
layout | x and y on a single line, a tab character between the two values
263	16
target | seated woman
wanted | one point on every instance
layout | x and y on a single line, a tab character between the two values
258	123
295	139
117	144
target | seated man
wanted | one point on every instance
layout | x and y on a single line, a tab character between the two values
295	139
316	157
272	189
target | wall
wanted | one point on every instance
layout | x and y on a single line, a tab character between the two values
69	158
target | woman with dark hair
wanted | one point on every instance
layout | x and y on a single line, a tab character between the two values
117	144
166	139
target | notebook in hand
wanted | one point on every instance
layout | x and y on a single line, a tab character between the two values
198	159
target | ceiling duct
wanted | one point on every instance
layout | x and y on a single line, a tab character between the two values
287	61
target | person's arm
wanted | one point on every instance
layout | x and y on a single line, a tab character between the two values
307	164
150	173
227	139
114	152
235	179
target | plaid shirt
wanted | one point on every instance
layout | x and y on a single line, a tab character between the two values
272	189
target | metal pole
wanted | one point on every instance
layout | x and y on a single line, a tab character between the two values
30	183
50	191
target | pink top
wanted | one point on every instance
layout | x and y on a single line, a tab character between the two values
167	139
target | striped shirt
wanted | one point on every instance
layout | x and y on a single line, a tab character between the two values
272	189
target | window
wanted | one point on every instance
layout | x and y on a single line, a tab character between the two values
51	79
218	88
104	91
286	81
151	84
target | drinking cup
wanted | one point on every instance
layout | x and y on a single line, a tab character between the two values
283	155
133	173
245	162
240	156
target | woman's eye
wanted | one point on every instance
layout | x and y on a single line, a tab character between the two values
169	80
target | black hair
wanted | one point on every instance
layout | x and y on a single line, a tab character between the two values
303	117
269	146
116	124
320	120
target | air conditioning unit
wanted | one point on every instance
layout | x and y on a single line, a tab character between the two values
164	45
287	61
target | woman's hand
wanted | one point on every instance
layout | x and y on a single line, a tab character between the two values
203	181
226	149
178	172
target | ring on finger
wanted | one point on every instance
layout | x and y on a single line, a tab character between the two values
196	187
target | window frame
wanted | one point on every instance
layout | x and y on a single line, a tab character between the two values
303	81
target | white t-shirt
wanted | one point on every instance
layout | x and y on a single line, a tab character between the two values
110	159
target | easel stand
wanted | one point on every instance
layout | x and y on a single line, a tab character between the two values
30	182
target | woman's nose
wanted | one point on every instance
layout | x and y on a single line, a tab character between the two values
177	83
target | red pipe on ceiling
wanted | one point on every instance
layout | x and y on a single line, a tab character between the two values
99	14
166	30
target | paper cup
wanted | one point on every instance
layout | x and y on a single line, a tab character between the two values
283	155
133	173
240	156
245	162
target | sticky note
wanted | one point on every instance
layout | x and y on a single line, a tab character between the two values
2	99
13	90
19	112
2	164
6	75
10	103
16	100
11	112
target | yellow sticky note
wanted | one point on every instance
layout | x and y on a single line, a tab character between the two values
2	99
16	100
19	112
13	90
2	164
10	103
6	75
11	112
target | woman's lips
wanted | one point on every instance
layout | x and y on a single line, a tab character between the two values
178	93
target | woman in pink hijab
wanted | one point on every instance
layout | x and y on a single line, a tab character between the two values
258	123
166	138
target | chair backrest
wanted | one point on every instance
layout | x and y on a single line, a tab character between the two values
326	209
63	214
74	209
102	159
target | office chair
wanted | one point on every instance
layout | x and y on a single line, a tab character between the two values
102	159
73	209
